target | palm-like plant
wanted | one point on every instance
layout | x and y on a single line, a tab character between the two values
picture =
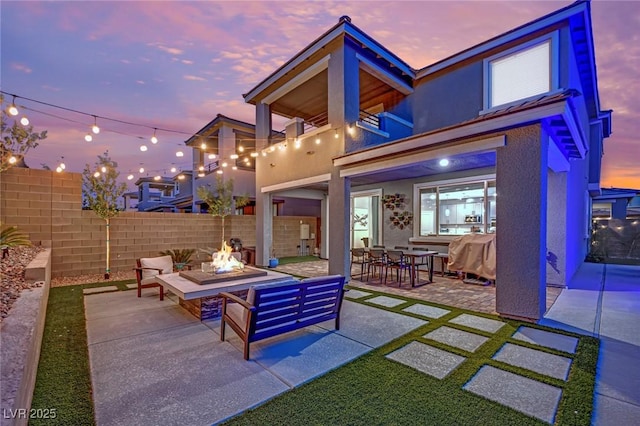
11	237
180	257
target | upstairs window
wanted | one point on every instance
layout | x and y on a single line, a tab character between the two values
520	73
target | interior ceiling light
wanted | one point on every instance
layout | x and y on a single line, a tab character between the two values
212	156
95	129
203	145
88	137
24	120
234	156
444	162
143	148
254	154
154	139
179	154
13	110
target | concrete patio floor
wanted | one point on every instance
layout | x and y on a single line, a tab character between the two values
153	363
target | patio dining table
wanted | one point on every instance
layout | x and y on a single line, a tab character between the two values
414	255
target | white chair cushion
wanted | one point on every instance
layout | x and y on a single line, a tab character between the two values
238	314
163	262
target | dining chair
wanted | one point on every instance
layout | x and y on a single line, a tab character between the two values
376	261
358	257
396	260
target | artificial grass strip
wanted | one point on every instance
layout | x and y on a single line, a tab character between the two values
297	259
63	381
375	390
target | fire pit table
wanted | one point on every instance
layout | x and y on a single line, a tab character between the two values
202	300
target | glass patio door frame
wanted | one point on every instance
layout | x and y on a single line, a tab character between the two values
375	197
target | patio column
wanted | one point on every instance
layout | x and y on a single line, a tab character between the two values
338	226
264	227
521	210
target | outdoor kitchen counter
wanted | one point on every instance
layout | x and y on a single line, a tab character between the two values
203	300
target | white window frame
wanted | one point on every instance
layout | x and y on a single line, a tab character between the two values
417	187
554	59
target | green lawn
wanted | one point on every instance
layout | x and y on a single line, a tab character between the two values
369	390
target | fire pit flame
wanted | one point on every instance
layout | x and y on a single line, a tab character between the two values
224	261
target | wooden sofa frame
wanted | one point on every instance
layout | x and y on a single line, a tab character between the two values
278	309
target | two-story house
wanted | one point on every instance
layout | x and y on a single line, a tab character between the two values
505	136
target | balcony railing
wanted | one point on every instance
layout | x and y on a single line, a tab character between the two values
370	119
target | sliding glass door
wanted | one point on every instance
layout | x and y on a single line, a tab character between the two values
366	224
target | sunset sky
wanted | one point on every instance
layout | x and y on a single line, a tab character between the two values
176	64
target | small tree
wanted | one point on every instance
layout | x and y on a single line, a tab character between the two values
17	139
101	190
220	199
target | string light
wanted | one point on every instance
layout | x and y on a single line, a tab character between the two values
104	169
212	156
13	110
179	154
143	148
62	165
173	169
219	171
154	139
24	120
130	177
88	137
336	136
318	141
234	168
141	170
13	160
157	177
234	156
254	154
95	129
203	145
96	174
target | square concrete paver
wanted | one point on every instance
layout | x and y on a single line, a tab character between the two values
388	302
95	290
427	359
534	360
479	323
457	338
132	286
520	393
547	338
426	310
356	294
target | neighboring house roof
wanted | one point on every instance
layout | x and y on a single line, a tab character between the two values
217	123
164	181
615	193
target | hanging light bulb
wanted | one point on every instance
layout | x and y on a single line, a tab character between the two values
24	120
157	178
13	160
234	156
254	154
88	137
13	110
296	143
336	134
201	168
173	169
96	174
130	177
179	154
234	168
203	145
224	164
62	165
141	170
219	171
143	148
154	139
318	141
212	156
264	153
104	169
241	148
95	129
181	177
200	174
59	169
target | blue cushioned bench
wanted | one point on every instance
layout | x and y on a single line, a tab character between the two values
277	308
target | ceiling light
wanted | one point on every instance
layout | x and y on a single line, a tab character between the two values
241	148
336	134
203	145
234	156
212	156
444	162
254	154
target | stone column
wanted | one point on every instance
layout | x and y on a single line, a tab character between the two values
521	211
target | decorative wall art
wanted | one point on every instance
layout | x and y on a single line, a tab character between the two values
401	219
394	201
360	220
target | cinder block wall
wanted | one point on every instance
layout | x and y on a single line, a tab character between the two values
48	207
